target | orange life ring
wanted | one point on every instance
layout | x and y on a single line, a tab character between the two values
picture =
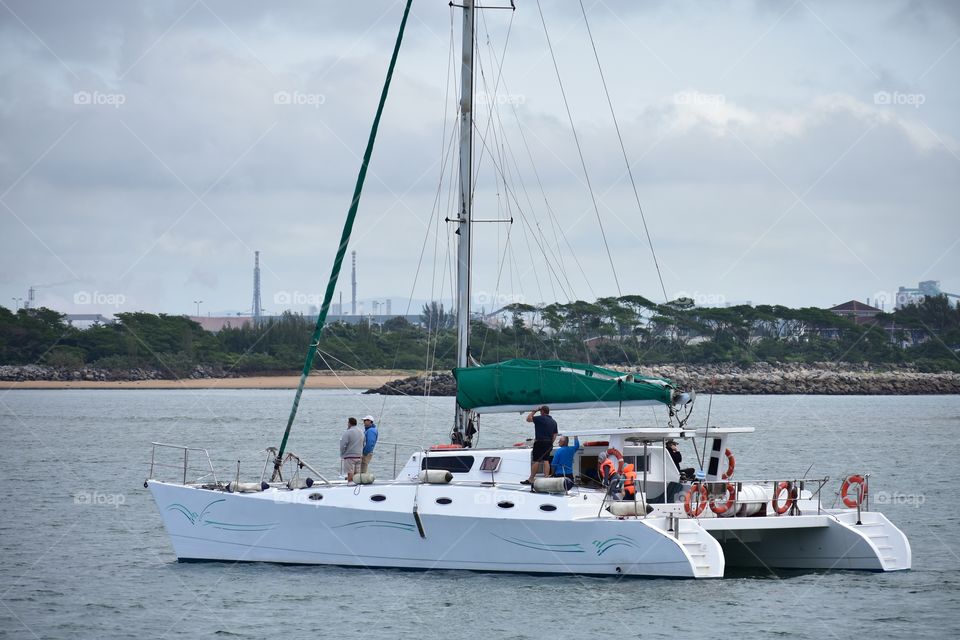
731	465
596	443
446	446
519	444
845	489
726	506
619	456
695	511
775	501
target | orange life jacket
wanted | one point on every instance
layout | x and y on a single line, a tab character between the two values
607	468
629	479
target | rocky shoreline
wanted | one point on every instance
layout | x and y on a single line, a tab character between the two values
43	373
761	378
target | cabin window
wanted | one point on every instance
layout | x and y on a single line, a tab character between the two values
378	497
637	462
505	504
315	496
444	500
548	507
454	464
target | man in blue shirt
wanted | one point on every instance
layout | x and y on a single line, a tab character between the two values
370	436
545	432
563	457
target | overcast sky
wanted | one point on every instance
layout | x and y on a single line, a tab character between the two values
801	153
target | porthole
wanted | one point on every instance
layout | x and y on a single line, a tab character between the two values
378	497
444	500
315	496
505	504
548	507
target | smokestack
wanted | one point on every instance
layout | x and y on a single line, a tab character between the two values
256	309
353	284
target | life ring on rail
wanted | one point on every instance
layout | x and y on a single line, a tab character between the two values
612	451
853	501
775	501
519	444
596	443
719	509
731	465
695	511
446	446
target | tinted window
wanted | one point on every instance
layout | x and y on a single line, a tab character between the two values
455	464
637	462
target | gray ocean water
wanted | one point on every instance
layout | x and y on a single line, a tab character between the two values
83	552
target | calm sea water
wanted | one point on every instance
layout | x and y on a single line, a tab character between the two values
84	553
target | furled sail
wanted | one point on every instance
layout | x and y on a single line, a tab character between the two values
518	385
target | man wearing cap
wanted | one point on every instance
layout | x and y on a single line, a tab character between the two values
674	449
369	442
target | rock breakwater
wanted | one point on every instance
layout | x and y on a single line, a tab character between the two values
761	378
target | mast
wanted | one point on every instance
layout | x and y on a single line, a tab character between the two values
466	204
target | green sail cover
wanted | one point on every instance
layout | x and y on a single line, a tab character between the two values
519	385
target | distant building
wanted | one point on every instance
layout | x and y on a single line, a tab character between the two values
215	324
856	311
87	320
926	289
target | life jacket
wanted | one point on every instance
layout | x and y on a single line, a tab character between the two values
629	479
607	468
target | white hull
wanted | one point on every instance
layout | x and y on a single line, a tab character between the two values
347	527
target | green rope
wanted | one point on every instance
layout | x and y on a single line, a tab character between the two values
342	250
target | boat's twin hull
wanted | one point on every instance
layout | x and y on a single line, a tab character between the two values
213	525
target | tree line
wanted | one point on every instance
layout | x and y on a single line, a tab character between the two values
626	330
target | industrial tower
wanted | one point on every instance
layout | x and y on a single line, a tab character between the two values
257	307
353	284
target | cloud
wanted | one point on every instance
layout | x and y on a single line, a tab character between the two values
149	149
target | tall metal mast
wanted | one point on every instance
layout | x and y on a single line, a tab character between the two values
464	246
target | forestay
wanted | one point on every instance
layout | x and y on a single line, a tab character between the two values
517	385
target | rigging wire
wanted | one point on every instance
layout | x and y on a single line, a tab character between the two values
623	150
576	139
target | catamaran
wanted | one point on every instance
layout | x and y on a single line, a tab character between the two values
456	506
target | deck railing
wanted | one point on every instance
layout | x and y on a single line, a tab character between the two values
183	466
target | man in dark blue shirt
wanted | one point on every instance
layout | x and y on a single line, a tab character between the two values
545	431
563	457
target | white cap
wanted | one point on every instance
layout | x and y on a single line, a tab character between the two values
370	418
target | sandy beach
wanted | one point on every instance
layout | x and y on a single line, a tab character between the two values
353	380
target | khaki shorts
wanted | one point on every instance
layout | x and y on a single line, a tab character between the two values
349	466
365	462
